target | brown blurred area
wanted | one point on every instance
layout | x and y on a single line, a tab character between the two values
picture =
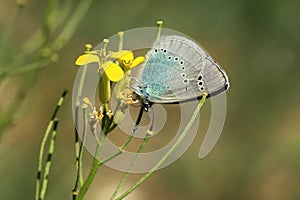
258	155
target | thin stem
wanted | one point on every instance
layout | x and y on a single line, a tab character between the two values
79	177
105	117
77	148
85	121
49	21
112	128
13	111
73	22
121	34
134	129
15	71
7	32
46	135
124	146
181	137
125	175
97	139
49	161
97	163
95	166
35	42
90	178
159	25
38	178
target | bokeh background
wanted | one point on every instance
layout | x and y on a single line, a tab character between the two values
258	154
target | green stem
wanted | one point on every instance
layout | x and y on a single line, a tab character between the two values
155	167
97	163
38	178
90	178
35	42
113	126
14	110
79	177
78	159
49	21
159	25
125	175
70	28
15	71
121	34
7	33
49	161
124	146
95	166
134	129
46	135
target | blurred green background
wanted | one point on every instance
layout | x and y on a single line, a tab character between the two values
258	154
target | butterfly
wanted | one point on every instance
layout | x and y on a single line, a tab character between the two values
176	70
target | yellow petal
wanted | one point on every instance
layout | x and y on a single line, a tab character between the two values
123	55
113	71
137	61
86	59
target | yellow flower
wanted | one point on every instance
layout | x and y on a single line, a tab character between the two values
126	59
88	57
113	71
114	65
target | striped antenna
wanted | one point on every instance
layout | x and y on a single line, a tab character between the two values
52	125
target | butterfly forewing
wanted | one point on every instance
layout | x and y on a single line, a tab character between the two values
177	69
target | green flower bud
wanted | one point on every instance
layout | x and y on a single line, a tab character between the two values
104	88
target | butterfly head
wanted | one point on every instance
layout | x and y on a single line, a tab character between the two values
143	96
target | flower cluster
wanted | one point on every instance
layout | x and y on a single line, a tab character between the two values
113	67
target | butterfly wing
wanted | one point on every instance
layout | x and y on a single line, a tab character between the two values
177	69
